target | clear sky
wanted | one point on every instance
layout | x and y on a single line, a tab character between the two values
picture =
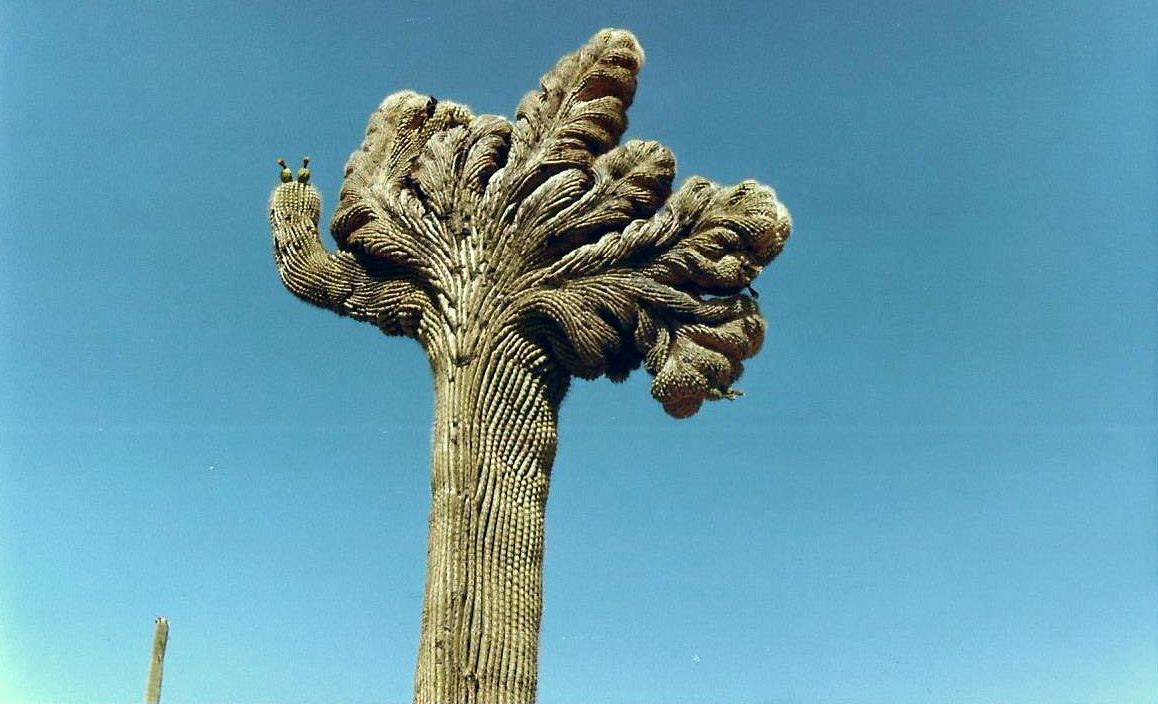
940	487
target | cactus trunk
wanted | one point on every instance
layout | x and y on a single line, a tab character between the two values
494	442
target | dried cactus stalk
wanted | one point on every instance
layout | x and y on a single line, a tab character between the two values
522	255
157	663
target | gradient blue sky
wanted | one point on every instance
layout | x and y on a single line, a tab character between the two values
940	487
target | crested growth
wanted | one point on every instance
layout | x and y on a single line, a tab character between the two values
520	255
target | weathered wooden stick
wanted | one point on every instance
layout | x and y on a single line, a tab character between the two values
160	640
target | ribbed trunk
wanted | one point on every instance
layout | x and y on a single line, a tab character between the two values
494	443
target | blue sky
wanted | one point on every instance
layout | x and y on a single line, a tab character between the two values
940	486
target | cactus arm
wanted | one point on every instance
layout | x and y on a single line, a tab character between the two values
347	283
313	274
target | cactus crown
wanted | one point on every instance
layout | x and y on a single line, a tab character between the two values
453	228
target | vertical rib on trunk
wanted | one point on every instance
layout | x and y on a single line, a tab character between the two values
494	443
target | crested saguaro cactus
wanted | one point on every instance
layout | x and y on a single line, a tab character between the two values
522	255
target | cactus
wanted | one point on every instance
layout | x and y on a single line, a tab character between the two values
521	255
157	664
